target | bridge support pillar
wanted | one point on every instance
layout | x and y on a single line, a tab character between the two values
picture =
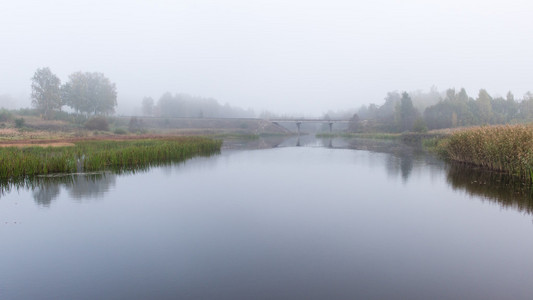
330	127
298	125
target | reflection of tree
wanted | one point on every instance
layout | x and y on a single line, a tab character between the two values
401	158
406	166
497	187
44	194
253	143
91	186
401	164
47	188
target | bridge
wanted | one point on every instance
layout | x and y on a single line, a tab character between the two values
299	121
213	122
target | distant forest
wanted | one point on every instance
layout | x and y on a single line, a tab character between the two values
187	106
420	111
90	94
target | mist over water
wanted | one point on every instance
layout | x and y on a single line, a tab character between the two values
275	217
309	219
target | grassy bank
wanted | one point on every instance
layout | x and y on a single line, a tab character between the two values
428	139
102	155
506	148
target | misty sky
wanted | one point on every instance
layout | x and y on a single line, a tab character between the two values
300	56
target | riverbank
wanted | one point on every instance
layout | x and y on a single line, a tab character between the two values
506	148
101	154
408	137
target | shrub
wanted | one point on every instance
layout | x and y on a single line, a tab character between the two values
119	131
61	115
28	112
420	126
97	123
135	124
5	115
19	122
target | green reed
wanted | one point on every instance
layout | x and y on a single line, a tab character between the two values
102	155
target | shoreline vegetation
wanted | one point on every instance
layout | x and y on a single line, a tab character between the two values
370	135
102	155
409	137
506	149
502	148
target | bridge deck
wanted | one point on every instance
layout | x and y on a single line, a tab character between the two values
307	121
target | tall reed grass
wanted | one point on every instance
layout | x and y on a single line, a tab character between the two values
102	155
506	148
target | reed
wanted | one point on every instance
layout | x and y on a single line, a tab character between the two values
506	148
102	155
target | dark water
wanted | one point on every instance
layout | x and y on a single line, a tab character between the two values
309	219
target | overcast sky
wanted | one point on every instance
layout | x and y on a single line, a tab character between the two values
300	56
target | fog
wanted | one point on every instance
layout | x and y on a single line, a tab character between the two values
296	57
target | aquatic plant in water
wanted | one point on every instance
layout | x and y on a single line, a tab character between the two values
507	148
102	155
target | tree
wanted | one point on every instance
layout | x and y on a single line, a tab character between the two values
75	91
406	113
354	125
462	109
526	107
90	93
135	124
46	92
148	106
385	114
511	106
484	106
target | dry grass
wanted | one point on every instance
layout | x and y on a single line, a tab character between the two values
43	145
13	134
506	148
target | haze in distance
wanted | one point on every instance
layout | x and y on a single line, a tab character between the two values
292	57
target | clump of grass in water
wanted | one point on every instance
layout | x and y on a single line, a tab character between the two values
102	155
507	148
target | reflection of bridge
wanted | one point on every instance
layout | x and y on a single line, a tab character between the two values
299	122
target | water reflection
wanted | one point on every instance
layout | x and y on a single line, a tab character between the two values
291	223
505	190
45	193
402	161
45	189
91	186
253	144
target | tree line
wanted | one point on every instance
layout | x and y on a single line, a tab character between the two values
420	111
86	93
187	106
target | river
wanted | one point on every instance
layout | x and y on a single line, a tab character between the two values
272	219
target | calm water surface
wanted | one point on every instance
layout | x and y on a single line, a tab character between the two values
330	219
